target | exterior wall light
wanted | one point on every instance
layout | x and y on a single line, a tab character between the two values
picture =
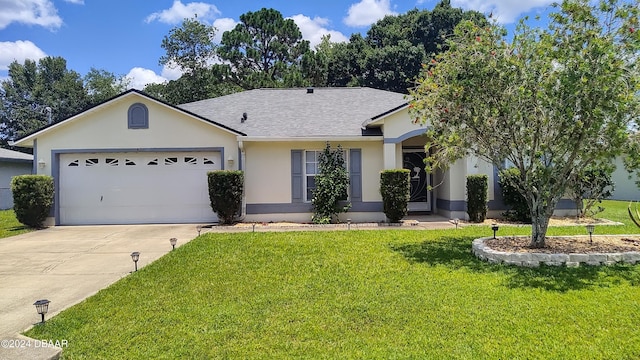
41	163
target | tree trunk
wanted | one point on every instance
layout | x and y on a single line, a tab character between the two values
539	223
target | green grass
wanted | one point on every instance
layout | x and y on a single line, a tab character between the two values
9	226
357	294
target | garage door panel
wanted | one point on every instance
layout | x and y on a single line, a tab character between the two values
127	188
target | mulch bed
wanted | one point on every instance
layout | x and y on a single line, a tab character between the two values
568	244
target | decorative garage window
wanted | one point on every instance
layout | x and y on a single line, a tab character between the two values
74	163
128	162
171	161
153	162
190	160
91	162
111	161
208	161
138	116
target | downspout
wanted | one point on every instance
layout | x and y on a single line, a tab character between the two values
241	160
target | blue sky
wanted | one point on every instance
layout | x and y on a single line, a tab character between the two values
124	36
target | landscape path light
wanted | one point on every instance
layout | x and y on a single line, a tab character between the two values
495	228
42	307
590	228
135	256
173	242
456	221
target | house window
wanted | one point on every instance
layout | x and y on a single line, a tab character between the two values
311	169
138	116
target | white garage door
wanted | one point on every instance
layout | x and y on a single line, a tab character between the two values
136	188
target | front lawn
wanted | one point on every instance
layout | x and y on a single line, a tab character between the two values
355	294
9	226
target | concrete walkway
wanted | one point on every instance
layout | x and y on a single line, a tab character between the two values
66	265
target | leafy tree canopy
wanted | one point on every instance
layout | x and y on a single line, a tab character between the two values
264	50
38	93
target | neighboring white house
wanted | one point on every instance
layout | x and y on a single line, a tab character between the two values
12	163
135	159
625	183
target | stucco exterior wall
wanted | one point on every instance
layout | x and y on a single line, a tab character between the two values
268	169
9	169
106	128
398	124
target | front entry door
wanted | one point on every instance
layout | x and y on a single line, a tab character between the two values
413	160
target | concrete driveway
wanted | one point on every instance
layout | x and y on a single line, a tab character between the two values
67	264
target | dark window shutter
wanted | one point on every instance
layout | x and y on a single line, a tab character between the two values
297	176
355	174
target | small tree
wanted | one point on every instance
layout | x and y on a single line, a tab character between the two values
225	193
548	101
32	198
477	186
395	190
332	182
589	188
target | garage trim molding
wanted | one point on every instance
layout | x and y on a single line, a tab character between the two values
55	164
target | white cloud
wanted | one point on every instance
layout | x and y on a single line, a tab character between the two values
18	51
504	11
314	29
171	72
366	12
179	11
140	77
29	12
78	2
222	25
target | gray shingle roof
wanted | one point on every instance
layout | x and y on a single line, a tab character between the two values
296	113
6	154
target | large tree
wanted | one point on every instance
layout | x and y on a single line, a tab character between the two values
189	46
550	102
264	50
390	55
38	93
102	85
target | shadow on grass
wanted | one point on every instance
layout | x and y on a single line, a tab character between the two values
455	253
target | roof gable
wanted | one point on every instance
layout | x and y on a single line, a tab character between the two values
28	139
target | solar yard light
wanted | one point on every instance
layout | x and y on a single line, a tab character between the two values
590	228
42	307
135	256
495	228
199	229
173	242
348	224
456	221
